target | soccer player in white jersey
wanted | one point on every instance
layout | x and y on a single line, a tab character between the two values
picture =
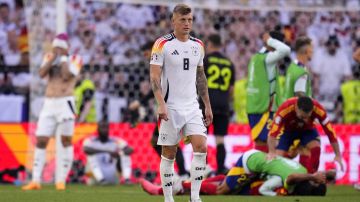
177	75
57	112
104	154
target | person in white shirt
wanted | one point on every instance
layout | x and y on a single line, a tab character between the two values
177	77
331	66
106	156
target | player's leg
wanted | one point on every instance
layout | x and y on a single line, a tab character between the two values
45	129
310	139
260	124
126	168
198	164
168	139
285	141
220	123
196	131
65	161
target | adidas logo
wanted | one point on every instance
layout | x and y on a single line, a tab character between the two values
169	184
175	52
199	178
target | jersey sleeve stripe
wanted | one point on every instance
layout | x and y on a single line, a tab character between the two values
287	110
319	111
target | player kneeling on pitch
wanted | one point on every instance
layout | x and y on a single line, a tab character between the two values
106	156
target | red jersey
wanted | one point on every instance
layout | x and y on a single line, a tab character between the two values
285	119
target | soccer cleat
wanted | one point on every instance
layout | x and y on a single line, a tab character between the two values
149	187
31	186
60	186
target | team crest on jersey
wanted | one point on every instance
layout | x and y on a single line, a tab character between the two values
163	137
195	50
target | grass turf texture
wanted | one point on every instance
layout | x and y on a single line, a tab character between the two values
82	193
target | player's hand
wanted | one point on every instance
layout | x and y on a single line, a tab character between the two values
270	156
339	160
162	112
208	116
265	37
319	177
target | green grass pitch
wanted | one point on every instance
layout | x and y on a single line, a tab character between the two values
82	193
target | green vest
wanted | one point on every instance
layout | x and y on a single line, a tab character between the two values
280	166
293	73
258	89
240	101
350	92
79	92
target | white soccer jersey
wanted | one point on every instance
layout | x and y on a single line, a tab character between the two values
179	61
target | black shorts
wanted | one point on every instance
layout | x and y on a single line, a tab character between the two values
220	123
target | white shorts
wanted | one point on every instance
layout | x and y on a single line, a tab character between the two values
57	112
189	122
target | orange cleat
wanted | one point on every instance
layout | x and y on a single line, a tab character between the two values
31	186
60	186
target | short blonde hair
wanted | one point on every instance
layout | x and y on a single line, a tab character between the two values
182	9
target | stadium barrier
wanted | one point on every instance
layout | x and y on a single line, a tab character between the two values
17	142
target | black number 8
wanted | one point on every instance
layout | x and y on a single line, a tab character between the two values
186	63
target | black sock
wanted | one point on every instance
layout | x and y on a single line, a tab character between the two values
220	157
180	162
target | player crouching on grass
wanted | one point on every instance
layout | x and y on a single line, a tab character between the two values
295	120
106	156
280	176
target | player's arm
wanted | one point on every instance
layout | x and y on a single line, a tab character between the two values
275	131
319	177
202	88
47	63
70	67
269	186
356	55
281	49
155	80
90	150
300	86
321	115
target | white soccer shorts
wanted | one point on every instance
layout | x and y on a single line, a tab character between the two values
189	122
57	112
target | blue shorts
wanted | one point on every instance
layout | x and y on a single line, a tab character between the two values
305	136
236	175
260	125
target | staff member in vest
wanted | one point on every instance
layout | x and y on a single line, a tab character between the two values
84	100
347	105
220	74
297	81
262	87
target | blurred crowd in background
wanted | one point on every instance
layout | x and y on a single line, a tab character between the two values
114	39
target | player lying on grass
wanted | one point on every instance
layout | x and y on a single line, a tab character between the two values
253	174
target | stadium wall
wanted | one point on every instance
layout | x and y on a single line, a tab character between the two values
17	142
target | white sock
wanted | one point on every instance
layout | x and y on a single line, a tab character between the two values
68	160
166	176
198	166
38	165
63	163
125	166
